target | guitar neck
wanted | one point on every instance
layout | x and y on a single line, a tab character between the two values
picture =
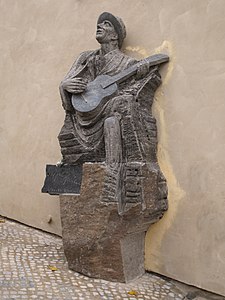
122	76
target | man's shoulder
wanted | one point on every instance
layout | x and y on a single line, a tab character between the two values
85	54
127	57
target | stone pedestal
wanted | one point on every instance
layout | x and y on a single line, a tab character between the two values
100	243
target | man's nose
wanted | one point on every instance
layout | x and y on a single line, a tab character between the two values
99	25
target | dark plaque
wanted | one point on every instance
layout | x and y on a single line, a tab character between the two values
65	179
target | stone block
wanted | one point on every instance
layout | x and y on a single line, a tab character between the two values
100	243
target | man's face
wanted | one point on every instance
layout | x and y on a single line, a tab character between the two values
105	32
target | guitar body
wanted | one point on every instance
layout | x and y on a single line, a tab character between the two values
94	95
99	91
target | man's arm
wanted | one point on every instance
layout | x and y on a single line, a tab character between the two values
73	83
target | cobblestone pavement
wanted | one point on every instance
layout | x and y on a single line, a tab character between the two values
33	266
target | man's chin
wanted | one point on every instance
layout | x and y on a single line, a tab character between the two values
99	38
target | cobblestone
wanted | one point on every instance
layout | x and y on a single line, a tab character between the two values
33	266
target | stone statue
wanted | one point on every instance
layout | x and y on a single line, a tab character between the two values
109	130
120	130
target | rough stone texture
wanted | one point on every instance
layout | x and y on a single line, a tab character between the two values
132	252
97	240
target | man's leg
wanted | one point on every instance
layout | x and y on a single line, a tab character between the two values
113	144
113	149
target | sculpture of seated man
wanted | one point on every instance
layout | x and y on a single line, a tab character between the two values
110	185
120	131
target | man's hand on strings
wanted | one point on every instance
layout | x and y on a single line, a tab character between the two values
74	85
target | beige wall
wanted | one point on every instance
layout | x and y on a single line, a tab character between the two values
39	41
189	243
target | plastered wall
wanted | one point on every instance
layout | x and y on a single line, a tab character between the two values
40	40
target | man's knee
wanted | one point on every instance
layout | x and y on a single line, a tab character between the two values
111	122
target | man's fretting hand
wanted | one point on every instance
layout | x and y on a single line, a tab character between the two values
142	70
74	85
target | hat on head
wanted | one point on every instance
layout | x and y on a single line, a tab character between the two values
117	23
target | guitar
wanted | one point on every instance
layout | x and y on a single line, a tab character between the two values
100	90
